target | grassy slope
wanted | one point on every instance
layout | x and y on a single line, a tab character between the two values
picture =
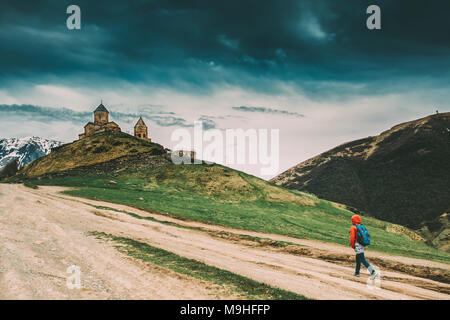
222	196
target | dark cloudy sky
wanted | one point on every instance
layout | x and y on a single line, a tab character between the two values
308	67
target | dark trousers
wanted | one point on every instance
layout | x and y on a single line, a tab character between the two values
360	258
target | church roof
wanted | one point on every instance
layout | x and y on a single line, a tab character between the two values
101	107
140	122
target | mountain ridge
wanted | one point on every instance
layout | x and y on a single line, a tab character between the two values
25	150
401	175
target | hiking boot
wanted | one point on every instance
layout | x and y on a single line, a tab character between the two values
356	275
373	275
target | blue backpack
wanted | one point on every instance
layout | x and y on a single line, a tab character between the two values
362	235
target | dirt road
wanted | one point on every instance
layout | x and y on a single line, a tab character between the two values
43	232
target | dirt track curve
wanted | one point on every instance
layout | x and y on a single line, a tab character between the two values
42	232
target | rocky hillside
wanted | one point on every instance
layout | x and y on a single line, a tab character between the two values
100	148
437	232
401	175
24	150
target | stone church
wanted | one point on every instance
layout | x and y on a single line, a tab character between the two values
141	130
102	124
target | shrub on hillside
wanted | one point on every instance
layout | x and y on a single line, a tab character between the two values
10	169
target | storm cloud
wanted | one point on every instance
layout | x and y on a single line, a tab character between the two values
232	64
323	47
269	110
47	114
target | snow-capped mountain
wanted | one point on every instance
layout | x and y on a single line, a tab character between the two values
24	150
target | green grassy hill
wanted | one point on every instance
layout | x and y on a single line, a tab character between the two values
214	194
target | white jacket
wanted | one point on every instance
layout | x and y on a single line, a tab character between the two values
359	248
